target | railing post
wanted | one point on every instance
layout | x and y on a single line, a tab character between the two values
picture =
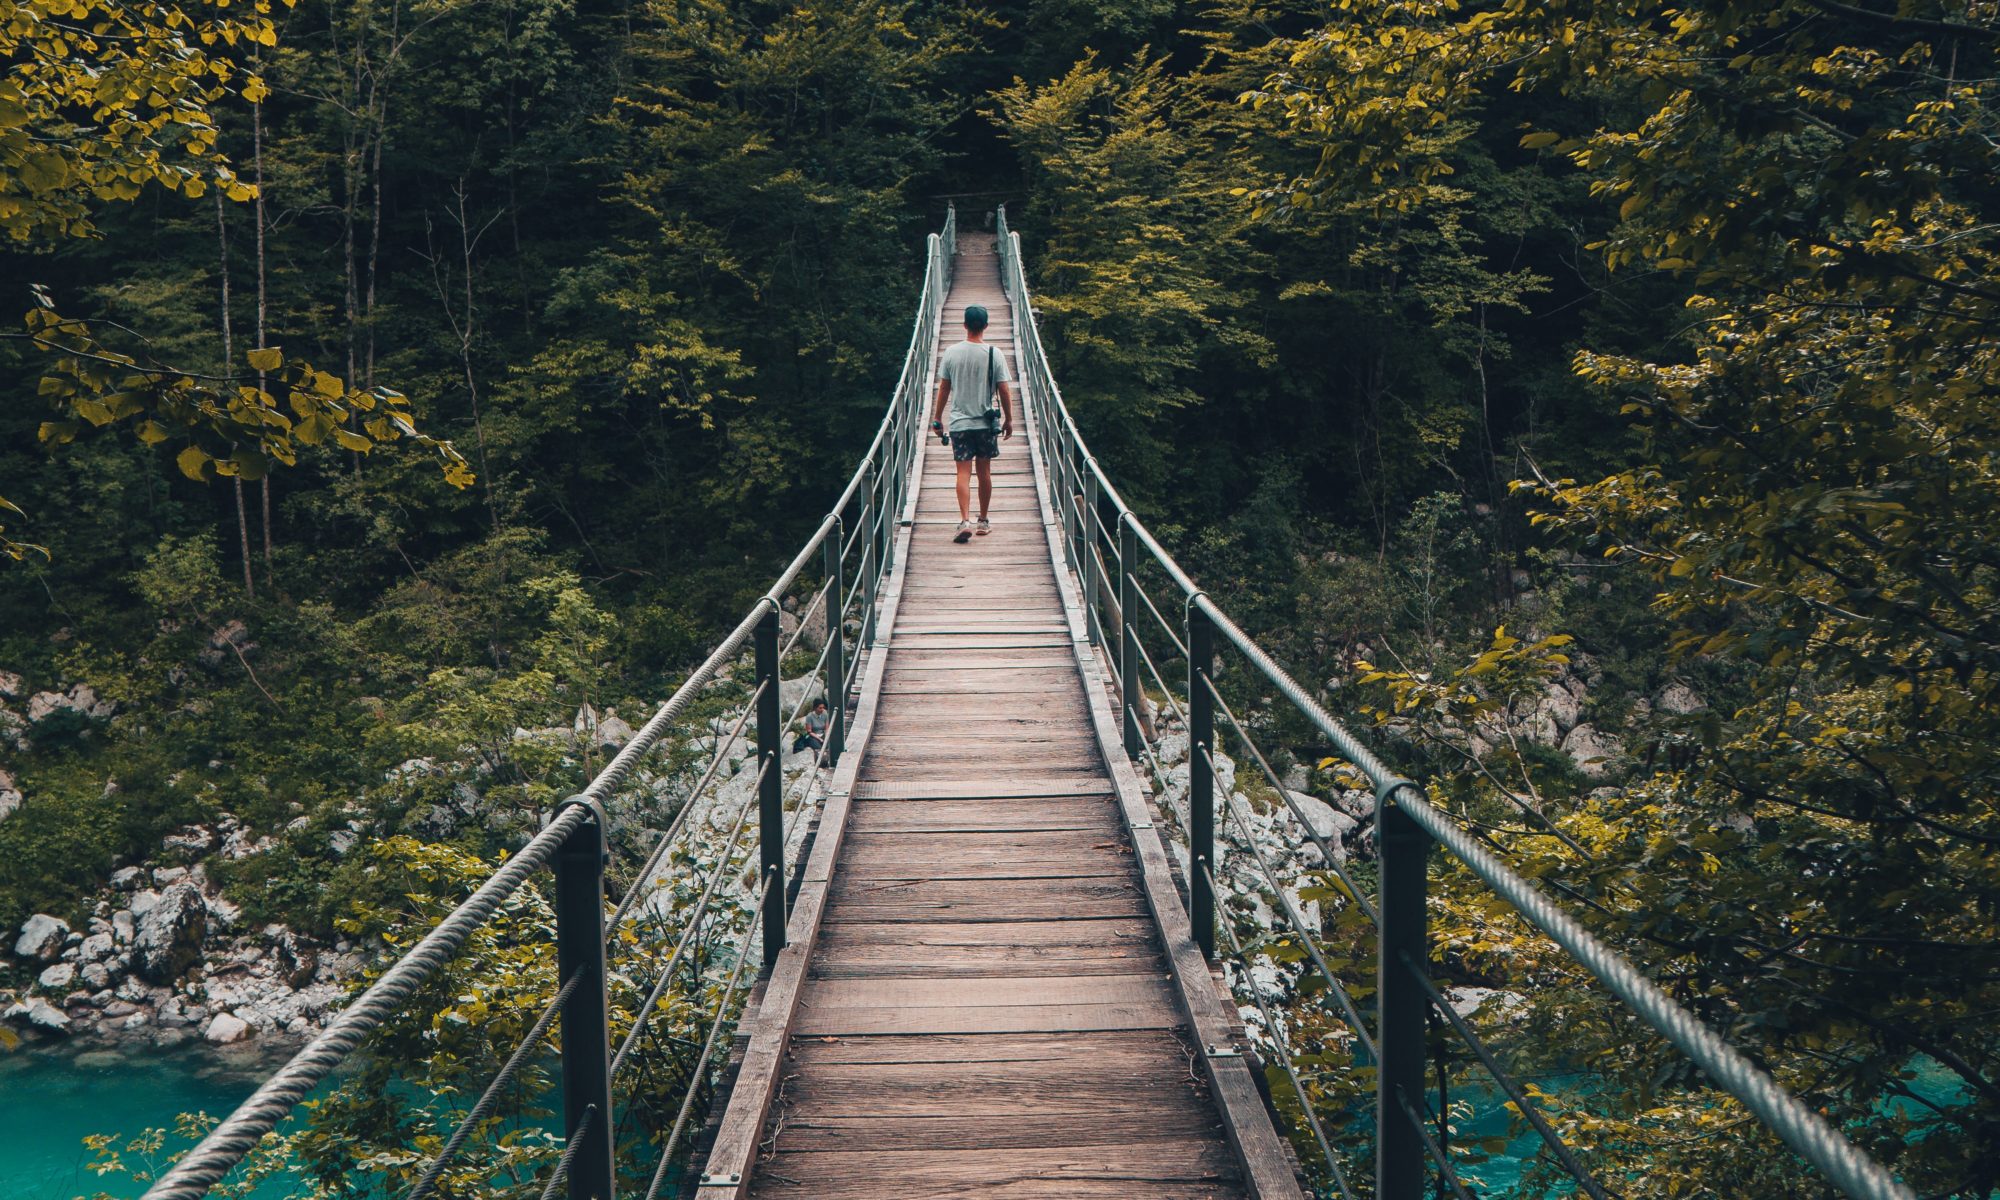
586	1036
1091	524
836	649
771	790
1072	540
1400	1002
1128	636
892	481
867	536
1201	778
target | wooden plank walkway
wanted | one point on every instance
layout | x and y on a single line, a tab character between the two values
981	997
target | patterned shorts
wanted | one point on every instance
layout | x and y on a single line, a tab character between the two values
974	443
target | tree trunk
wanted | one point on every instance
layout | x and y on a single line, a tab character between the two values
263	298
228	368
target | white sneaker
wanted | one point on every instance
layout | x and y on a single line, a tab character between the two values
983	528
964	533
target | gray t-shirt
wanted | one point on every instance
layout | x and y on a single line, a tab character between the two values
975	370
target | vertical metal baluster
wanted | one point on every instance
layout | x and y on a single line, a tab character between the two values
836	650
586	1041
771	788
867	535
1400	1003
1092	576
1128	632
1201	778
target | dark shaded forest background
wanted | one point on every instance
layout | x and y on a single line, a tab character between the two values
1322	282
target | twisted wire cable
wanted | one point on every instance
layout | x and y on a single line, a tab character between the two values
723	868
1514	1091
1805	1131
1277	1032
680	818
490	1098
1437	1153
708	1046
228	1142
1140	590
573	1144
1173	702
1296	920
819	598
1325	848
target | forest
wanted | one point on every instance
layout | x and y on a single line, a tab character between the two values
389	375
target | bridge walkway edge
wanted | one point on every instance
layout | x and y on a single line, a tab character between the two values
1262	1165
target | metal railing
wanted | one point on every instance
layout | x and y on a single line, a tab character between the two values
1107	547
855	541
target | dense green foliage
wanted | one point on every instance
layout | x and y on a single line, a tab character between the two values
1712	283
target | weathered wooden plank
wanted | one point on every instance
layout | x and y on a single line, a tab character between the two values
994	992
1161	1169
980	789
805	1133
1059	899
957	950
1114	1047
1003	1018
1094	816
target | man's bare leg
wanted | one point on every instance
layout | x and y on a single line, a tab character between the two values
965	491
985	488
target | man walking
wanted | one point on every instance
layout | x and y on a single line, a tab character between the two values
973	378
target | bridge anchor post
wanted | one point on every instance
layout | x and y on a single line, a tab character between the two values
586	1037
1128	636
836	650
771	787
1201	777
868	557
1402	946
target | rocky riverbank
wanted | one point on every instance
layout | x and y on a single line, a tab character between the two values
164	957
162	960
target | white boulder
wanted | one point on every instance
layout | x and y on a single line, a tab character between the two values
1679	699
170	934
41	937
1593	752
40	1013
227	1028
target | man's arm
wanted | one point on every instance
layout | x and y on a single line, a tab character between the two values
1006	390
943	392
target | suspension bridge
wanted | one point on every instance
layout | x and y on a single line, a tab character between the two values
985	958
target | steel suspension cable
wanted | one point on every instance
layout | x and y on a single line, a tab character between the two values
1278	1038
708	1045
490	1098
228	1142
1325	847
723	868
1437	1152
1139	590
572	1144
680	818
819	598
1514	1091
1297	920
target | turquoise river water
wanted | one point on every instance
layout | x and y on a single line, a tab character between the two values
53	1099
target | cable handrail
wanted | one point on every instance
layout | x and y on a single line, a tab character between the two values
876	479
1805	1131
